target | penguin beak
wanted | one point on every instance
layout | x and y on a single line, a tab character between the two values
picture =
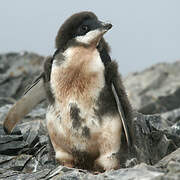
102	28
106	26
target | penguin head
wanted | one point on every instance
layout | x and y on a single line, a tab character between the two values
82	28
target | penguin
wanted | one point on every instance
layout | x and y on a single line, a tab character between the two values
88	107
86	96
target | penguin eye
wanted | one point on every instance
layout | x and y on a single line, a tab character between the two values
84	28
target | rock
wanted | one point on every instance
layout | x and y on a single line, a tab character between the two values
27	153
17	70
10	87
171	166
140	172
156	89
172	116
15	163
174	156
34	158
3	111
153	138
12	175
11	144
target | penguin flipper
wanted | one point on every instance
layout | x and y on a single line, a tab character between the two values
122	116
124	108
33	95
40	77
23	106
44	75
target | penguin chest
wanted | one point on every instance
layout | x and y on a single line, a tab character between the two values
76	85
79	78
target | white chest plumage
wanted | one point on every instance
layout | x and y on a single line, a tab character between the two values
79	78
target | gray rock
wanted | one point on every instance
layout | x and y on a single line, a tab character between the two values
27	154
13	175
172	117
153	138
139	172
17	70
156	89
154	146
171	166
15	163
3	111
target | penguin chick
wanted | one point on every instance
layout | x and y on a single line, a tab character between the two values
91	112
83	116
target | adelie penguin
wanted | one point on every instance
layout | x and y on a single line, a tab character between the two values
88	107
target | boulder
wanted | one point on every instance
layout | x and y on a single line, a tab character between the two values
156	89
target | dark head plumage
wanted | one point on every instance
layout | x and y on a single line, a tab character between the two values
69	27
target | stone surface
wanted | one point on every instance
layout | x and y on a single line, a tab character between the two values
27	154
156	89
17	70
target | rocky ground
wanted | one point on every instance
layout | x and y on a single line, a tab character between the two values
25	153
